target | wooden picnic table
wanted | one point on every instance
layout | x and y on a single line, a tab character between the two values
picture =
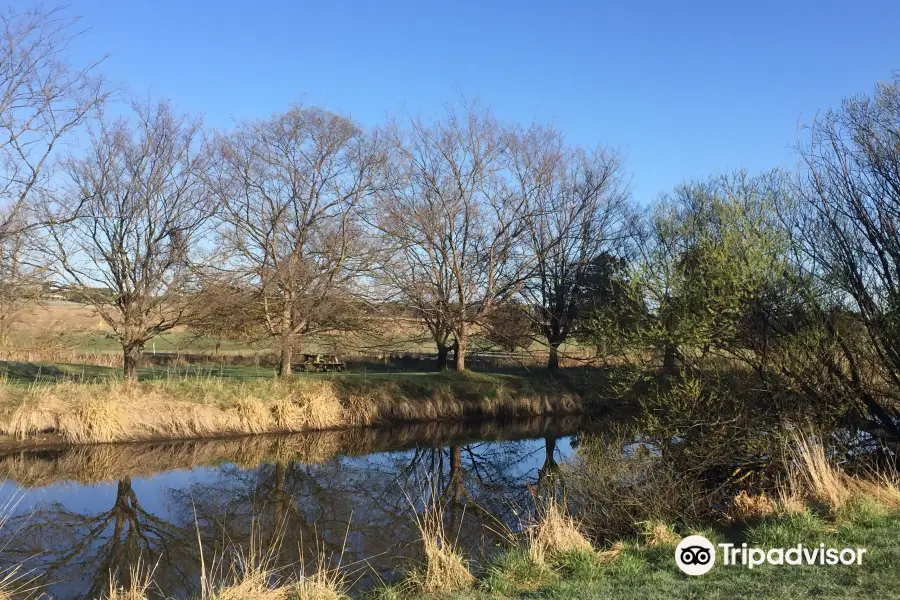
319	363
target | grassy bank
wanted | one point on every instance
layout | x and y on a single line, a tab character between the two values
818	504
109	410
646	568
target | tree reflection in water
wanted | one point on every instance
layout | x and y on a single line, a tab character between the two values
354	508
80	550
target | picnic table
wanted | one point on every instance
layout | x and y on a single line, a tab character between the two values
319	363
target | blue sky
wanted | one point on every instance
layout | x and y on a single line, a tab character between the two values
686	89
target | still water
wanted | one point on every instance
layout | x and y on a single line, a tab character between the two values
81	513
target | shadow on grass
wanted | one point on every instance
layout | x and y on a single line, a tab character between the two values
32	372
414	381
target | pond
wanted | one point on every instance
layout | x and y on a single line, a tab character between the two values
80	513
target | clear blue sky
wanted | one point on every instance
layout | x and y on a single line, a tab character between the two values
686	88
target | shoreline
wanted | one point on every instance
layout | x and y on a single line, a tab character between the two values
65	414
95	463
54	442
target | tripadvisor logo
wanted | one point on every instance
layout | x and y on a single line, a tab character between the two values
696	555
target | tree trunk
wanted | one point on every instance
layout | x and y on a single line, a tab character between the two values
281	497
285	361
131	357
443	351
456	488
669	360
286	358
461	343
670	351
553	360
550	466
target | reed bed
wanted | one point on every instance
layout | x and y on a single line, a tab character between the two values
115	411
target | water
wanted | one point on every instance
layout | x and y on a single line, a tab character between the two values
84	512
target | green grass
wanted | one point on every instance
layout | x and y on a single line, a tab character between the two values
650	573
38	372
412	381
95	342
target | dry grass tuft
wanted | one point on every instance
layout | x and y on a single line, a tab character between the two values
444	569
789	503
746	507
15	581
252	585
883	488
324	584
614	552
815	477
555	534
657	533
139	581
251	576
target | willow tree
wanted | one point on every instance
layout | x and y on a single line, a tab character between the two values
848	235
577	216
452	223
132	213
290	188
711	256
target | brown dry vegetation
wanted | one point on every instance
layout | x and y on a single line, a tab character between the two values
250	577
556	533
113	411
443	569
746	507
657	533
815	478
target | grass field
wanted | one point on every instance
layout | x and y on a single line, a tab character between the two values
27	373
62	331
20	373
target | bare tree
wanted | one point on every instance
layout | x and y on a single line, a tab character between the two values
43	99
452	224
22	278
848	236
139	202
578	215
220	310
290	189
